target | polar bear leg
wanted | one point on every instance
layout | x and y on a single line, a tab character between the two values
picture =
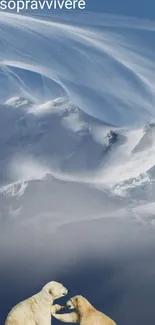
68	318
55	308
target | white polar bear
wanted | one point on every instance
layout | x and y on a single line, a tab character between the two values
84	313
37	310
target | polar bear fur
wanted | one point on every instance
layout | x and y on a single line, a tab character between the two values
84	313
37	310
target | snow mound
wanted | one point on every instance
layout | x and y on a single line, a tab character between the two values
147	140
18	102
56	201
140	188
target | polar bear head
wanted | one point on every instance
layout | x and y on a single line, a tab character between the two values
76	302
54	290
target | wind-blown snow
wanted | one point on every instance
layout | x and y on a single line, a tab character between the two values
76	97
106	69
77	148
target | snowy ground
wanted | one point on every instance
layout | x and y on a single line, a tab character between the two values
77	160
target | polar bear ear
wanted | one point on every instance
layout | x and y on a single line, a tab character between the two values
50	292
77	301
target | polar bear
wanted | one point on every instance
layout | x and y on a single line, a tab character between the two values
37	310
84	313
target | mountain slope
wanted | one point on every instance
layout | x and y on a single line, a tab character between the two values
57	134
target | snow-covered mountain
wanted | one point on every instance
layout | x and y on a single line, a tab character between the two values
77	153
56	133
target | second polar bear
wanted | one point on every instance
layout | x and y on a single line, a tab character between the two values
84	313
37	310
